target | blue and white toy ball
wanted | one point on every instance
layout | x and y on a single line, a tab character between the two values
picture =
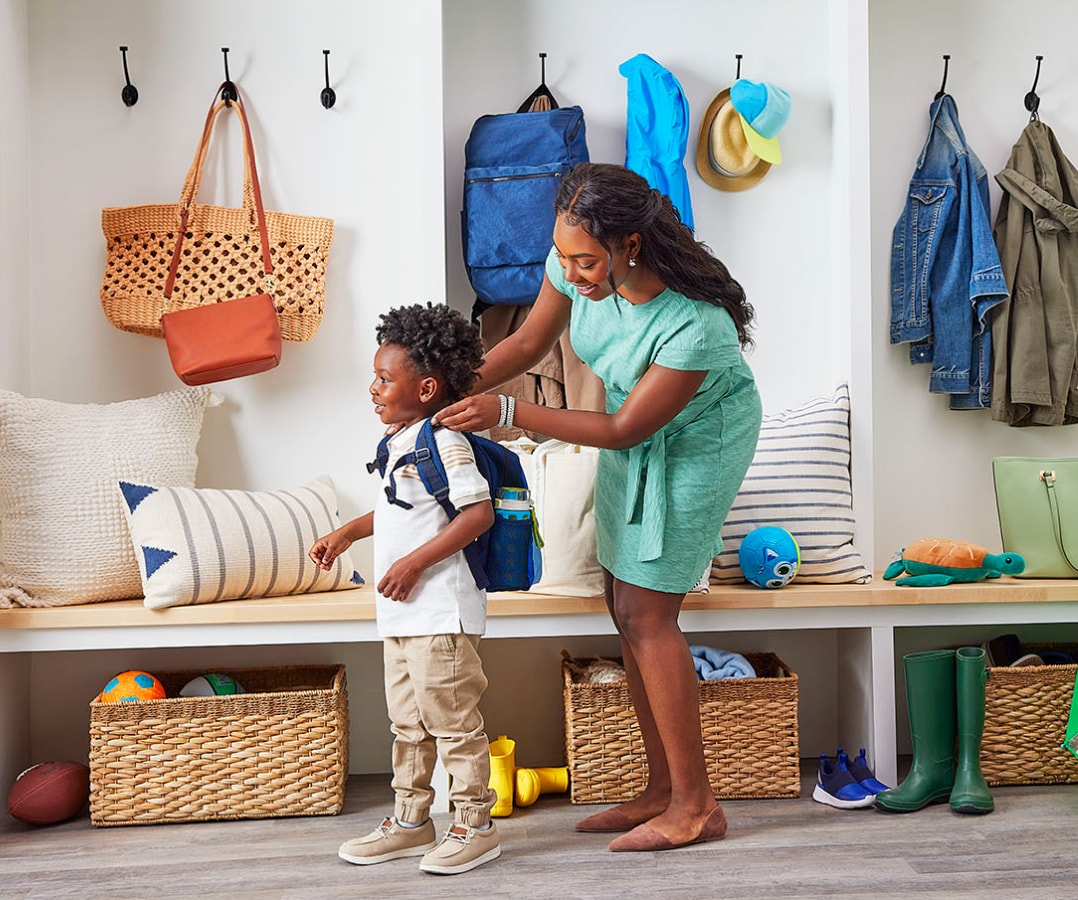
212	684
769	556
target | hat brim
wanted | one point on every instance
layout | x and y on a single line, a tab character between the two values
766	148
705	168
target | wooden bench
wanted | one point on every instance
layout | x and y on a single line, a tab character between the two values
865	618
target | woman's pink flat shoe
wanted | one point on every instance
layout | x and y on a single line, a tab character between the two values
644	837
609	820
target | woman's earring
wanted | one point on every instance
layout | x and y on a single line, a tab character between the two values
632	262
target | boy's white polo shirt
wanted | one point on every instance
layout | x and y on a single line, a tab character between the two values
445	599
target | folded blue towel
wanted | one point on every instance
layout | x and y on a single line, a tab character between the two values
712	664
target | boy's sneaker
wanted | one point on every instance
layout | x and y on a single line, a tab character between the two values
462	848
390	840
859	770
837	787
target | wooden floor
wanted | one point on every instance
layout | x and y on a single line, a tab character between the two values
774	849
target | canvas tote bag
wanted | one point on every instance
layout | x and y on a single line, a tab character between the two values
562	481
1037	503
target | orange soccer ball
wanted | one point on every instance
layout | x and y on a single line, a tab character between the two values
132	686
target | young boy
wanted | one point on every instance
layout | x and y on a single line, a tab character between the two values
430	613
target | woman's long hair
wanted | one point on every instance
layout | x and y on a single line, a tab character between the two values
611	202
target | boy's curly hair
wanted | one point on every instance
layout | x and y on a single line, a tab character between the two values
438	340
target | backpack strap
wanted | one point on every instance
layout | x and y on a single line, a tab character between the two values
381	460
432	473
428	461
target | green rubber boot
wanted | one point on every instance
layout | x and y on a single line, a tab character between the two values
930	691
970	794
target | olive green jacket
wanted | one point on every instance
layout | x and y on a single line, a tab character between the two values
1035	331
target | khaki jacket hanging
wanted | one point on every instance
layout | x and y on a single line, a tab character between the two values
1035	331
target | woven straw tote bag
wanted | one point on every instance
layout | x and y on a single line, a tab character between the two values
222	255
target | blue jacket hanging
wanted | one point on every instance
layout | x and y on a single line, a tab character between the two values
945	269
657	130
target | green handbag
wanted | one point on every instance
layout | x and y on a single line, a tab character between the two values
1037	502
1070	740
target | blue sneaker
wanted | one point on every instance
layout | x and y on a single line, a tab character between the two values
837	787
860	770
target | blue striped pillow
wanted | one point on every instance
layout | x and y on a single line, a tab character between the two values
800	480
201	545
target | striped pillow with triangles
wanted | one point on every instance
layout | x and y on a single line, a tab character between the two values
201	545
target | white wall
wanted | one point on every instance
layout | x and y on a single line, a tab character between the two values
932	466
15	301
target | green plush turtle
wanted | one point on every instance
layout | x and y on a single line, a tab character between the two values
936	561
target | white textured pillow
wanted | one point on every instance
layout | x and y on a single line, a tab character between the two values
63	537
800	480
201	545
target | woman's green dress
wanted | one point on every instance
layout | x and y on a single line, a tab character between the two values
659	506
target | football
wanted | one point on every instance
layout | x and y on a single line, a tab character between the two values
49	792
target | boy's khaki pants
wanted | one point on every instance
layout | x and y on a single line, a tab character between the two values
433	687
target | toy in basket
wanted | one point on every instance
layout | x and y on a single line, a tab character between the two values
132	686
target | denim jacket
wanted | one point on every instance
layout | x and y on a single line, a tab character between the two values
945	269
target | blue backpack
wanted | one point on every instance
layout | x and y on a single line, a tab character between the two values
504	558
513	165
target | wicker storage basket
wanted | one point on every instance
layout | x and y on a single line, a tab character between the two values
1025	721
749	727
281	749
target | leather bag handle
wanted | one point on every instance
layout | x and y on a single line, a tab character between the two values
252	192
1048	479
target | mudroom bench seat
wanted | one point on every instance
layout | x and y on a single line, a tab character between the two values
864	617
348	615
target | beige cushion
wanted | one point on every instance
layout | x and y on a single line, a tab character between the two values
201	545
63	535
800	480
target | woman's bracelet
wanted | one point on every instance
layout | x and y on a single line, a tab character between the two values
506	408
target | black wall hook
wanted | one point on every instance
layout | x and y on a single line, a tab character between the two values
738	56
328	96
228	90
1032	101
943	84
129	94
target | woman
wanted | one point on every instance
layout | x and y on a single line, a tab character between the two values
662	323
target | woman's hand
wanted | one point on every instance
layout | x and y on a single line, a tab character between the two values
471	414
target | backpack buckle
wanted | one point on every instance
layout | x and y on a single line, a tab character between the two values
422	454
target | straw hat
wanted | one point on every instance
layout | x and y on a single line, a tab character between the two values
724	158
